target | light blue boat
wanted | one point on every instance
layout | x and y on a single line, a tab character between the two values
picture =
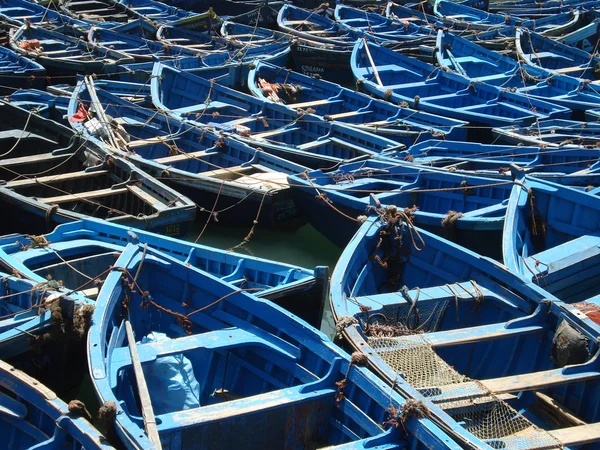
242	372
498	358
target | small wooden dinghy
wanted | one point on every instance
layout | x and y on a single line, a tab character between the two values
34	417
137	47
469	210
540	51
69	180
18	12
569	166
552	134
333	102
550	238
302	138
251	375
27	307
98	11
459	55
502	362
397	78
64	55
239	182
91	246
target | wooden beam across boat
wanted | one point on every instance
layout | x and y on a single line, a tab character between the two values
574	436
48	179
182	157
81	196
536	380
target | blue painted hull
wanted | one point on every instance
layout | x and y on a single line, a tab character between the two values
87	243
232	347
464	332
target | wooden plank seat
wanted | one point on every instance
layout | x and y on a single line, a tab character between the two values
82	196
48	179
183	156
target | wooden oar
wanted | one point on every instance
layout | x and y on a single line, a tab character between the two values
372	63
147	411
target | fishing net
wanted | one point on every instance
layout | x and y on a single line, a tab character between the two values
469	402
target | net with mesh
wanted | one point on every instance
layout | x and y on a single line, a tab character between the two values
467	401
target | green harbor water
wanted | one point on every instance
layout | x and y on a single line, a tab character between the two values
304	247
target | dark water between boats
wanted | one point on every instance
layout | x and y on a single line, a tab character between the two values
304	247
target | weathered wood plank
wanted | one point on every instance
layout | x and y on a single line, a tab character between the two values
48	179
81	196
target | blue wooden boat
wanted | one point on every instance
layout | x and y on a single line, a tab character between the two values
257	376
136	47
244	35
259	13
34	417
482	20
537	50
550	238
162	13
43	103
229	67
313	26
17	72
198	41
51	176
242	184
379	26
571	166
326	61
299	137
536	10
333	102
18	11
397	78
91	246
98	11
27	308
64	55
467	209
585	37
459	55
443	324
552	133
413	15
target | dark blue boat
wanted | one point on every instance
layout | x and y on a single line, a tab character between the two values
398	78
379	26
552	133
296	136
459	55
68	180
539	51
467	209
19	11
200	42
242	184
64	55
34	417
333	102
98	11
229	67
550	238
498	359
27	308
166	14
251	375
256	13
91	246
572	166
136	47
17	72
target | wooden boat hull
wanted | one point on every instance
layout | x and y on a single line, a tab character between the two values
299	290
264	408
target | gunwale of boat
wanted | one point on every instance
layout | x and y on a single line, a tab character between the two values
345	304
